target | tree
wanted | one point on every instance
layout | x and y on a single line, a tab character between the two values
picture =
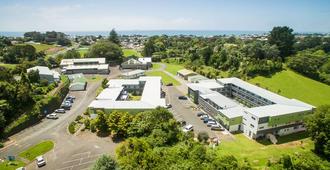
283	38
33	76
106	49
203	136
318	126
118	123
72	54
105	162
101	122
104	83
113	37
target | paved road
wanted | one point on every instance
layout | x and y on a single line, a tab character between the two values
70	152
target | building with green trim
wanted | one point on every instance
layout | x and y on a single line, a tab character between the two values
241	106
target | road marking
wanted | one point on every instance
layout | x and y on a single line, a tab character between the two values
77	154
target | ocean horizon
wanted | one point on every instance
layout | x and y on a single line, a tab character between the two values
204	33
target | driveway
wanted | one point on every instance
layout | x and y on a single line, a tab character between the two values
68	148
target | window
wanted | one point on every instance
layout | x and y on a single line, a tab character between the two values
252	125
253	118
261	127
296	127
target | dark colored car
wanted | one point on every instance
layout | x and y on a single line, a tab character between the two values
199	114
182	98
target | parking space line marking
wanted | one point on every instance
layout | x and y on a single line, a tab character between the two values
77	154
73	160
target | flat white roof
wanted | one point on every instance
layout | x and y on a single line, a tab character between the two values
82	60
263	92
94	66
233	112
205	86
221	100
134	72
150	98
275	110
42	70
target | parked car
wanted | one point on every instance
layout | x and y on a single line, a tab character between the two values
72	97
205	120
21	168
69	100
168	106
204	116
188	128
60	111
182	98
217	127
199	114
169	84
211	122
40	161
52	116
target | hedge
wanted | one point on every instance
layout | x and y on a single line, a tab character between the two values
48	104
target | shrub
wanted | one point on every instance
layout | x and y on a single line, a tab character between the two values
203	136
72	129
87	123
1	145
78	118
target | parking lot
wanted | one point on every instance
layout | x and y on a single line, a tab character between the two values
186	110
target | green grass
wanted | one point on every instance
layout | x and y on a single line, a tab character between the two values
11	165
83	51
94	78
165	78
36	150
42	47
293	85
130	52
156	66
257	153
173	68
9	66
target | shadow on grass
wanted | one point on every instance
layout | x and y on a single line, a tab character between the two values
286	138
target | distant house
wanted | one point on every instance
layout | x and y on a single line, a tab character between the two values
78	82
135	64
133	74
46	74
146	60
184	73
85	65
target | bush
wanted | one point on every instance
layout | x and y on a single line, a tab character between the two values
87	123
72	129
78	118
203	136
1	145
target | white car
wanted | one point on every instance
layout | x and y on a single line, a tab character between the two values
217	127
52	116
40	161
188	128
60	111
204	116
211	122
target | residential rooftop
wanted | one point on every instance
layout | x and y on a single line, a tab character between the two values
42	70
82	60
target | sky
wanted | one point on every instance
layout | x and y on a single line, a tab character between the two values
103	15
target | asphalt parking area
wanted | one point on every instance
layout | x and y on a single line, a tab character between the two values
79	161
186	110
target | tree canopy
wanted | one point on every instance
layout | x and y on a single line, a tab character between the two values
283	38
106	49
113	37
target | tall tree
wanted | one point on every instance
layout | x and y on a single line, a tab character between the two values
318	125
107	49
113	37
283	38
105	162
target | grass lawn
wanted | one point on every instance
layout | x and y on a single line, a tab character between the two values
11	165
42	47
82	51
165	78
173	68
156	66
94	78
36	150
258	154
9	66
293	85
130	52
